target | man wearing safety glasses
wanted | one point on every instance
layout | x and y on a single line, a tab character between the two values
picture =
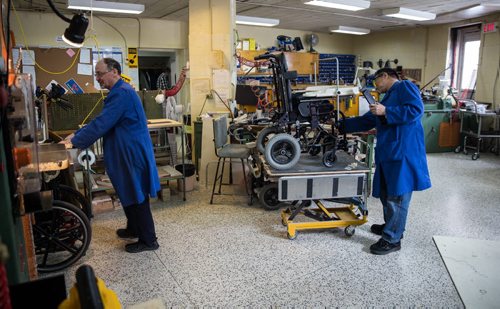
400	159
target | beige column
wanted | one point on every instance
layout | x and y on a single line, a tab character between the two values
211	49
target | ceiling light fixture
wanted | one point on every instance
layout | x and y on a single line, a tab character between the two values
409	14
106	6
350	5
349	30
256	21
74	35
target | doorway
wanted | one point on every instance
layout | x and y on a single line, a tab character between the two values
151	65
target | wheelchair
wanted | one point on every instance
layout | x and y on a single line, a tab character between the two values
298	124
61	234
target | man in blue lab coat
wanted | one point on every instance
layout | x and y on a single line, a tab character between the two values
128	154
400	159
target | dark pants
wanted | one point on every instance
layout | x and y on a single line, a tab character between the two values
140	221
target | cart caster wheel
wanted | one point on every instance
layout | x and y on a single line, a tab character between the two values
458	149
329	158
268	197
290	236
475	156
466	152
349	230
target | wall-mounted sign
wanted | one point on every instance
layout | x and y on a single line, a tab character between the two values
489	27
132	58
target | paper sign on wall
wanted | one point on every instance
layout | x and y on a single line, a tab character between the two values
74	87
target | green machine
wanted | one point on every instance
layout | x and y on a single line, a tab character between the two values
441	131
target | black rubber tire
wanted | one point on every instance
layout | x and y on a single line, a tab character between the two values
263	137
349	230
329	158
268	197
282	151
61	236
68	194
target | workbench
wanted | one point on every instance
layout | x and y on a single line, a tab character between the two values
169	172
309	186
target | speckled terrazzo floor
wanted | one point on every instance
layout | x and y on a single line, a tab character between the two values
234	255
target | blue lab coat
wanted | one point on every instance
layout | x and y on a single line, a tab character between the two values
400	152
128	150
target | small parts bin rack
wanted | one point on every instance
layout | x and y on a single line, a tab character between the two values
309	186
471	125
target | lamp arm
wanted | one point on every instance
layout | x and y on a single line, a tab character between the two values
66	19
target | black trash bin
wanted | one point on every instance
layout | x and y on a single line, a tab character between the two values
188	172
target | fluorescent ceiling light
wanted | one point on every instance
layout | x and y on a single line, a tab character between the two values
106	6
350	5
349	30
256	21
409	14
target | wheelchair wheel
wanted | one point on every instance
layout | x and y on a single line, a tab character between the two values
264	136
329	158
268	197
282	151
61	236
68	194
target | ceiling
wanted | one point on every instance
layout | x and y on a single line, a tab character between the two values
293	14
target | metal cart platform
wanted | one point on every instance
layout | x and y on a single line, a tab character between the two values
471	126
310	186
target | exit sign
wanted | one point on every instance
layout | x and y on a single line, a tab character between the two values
489	27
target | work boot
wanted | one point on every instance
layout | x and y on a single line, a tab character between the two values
382	247
377	229
139	246
125	234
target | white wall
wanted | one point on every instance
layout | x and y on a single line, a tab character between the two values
408	46
427	48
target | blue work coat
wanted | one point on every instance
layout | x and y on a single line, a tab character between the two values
400	152
128	150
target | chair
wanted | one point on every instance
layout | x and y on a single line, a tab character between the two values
224	150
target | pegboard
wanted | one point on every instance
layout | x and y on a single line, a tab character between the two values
82	104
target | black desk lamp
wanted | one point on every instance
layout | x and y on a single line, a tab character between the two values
74	35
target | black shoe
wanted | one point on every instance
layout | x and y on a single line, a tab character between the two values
377	229
382	247
125	234
137	247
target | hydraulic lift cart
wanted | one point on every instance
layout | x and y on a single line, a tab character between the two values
310	186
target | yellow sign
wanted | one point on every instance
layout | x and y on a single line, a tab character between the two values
132	58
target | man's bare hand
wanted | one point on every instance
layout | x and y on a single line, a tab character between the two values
377	109
67	140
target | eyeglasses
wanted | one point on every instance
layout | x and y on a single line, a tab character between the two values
100	74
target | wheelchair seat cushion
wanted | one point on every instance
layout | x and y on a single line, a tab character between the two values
234	151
